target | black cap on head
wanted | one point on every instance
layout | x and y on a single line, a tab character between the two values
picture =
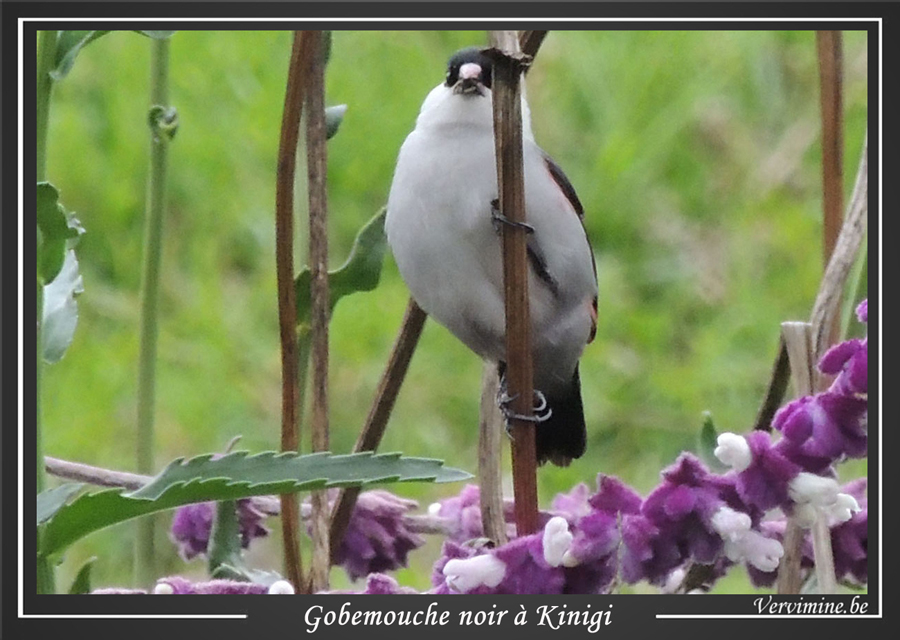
463	56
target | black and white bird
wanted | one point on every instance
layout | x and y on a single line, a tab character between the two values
442	227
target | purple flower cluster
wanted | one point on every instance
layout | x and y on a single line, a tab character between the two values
592	541
694	516
377	538
176	585
192	525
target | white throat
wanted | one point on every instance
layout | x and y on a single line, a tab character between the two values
443	108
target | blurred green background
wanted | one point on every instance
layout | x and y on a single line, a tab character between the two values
696	155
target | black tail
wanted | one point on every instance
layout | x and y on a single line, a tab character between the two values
563	436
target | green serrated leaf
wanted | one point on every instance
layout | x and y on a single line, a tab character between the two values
60	309
69	44
334	116
51	500
224	538
231	477
57	232
82	582
360	272
157	35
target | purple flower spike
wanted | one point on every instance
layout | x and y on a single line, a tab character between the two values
527	570
464	513
614	496
450	551
820	429
862	311
572	505
682	508
180	586
380	584
849	361
377	537
192	524
764	484
639	560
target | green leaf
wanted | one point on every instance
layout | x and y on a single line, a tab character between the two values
157	35
334	116
57	231
361	271
224	538
60	309
231	477
51	500
708	442
67	47
82	582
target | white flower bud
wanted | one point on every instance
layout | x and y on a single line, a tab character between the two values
733	451
730	524
463	575
844	508
281	587
163	589
557	541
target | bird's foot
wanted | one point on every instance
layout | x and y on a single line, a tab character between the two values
540	411
498	219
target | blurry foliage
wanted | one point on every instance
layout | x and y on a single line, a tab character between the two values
696	155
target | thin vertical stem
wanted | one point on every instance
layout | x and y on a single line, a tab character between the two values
830	53
317	167
46	55
797	338
531	41
287	305
376	421
508	66
490	430
144	553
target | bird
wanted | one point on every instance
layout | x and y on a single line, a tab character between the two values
442	226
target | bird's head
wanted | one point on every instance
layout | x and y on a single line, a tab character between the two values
469	73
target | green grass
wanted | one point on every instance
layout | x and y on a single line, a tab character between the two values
696	155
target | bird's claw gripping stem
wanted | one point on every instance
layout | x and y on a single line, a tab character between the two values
541	412
497	218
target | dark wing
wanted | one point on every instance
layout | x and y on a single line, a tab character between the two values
569	191
560	178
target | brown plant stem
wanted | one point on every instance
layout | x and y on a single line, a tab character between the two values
379	413
509	63
830	53
531	41
490	434
301	52
317	167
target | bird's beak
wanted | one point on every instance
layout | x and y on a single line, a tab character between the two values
469	86
470	80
